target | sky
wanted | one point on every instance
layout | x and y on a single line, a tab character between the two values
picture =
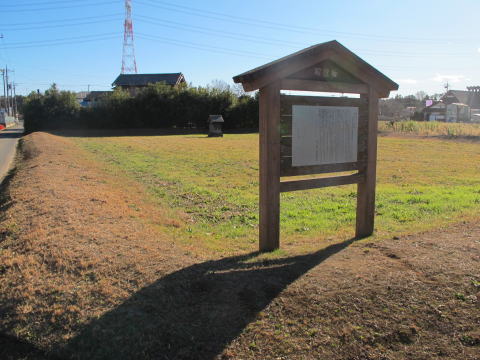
420	44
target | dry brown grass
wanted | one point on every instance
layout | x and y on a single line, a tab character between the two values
469	131
73	246
417	297
87	272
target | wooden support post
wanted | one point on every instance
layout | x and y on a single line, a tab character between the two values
366	189
270	167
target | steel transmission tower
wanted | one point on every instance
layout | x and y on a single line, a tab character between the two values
129	64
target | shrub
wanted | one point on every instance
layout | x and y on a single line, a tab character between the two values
243	114
53	110
156	106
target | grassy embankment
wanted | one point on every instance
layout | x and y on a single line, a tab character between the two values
422	183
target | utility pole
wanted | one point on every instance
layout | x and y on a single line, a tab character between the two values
9	91
14	102
4	89
8	96
10	87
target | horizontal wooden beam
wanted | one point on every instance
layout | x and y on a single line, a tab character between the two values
286	168
323	86
287	101
295	185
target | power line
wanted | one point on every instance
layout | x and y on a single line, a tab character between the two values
231	35
269	41
225	34
209	48
65	72
69	40
62	20
64	43
17	4
62	25
7	57
59	7
201	29
279	26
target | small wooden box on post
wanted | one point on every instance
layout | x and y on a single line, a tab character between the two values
306	135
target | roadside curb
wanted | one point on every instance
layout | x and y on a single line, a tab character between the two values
10	150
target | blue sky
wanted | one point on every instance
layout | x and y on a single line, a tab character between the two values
420	44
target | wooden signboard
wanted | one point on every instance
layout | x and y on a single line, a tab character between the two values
306	135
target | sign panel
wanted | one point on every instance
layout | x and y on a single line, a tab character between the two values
324	135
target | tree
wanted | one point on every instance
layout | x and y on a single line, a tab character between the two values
220	85
421	95
53	110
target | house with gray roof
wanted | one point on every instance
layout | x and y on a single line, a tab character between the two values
470	97
135	82
93	98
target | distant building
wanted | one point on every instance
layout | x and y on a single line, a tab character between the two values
94	97
455	106
79	96
470	97
435	112
409	111
134	82
457	112
453	112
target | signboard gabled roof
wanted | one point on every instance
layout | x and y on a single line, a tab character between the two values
332	50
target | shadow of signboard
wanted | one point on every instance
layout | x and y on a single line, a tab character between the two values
192	313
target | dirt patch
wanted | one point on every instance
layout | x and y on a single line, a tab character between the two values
416	297
86	275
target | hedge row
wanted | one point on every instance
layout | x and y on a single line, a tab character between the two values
156	106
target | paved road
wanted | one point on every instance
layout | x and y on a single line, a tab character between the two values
8	144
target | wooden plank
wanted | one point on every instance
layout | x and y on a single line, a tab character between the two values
286	168
325	86
269	231
286	146
295	185
287	101
366	189
362	135
286	125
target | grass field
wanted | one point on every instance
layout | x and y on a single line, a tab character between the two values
128	247
210	187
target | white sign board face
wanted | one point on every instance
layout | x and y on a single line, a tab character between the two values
324	135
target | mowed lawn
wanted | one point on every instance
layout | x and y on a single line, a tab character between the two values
209	188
